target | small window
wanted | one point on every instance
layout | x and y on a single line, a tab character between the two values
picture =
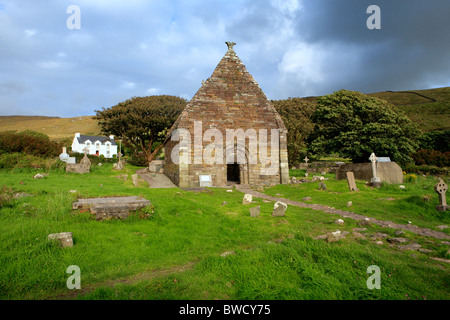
97	145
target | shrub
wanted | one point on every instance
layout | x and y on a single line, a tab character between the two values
426	170
412	178
431	157
29	142
22	160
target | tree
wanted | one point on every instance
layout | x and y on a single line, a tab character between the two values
141	122
355	125
296	114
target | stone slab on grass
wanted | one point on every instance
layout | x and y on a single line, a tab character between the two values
111	207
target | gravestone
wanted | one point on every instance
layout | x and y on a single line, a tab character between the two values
119	164
64	156
254	212
441	188
279	209
65	239
375	180
83	167
135	179
247	199
351	181
322	186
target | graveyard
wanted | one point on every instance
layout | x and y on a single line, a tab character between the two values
211	244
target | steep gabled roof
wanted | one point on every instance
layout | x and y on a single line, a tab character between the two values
231	89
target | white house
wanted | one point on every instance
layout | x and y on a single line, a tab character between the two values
105	146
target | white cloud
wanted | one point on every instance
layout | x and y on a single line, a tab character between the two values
128	85
30	32
152	91
305	60
50	65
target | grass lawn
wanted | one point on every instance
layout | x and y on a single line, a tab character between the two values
175	253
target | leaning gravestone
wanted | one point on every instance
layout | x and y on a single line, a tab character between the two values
441	188
279	209
351	181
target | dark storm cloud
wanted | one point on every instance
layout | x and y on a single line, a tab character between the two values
410	51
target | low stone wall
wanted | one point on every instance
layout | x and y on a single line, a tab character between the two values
389	172
156	166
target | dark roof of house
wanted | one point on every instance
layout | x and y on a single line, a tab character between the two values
103	140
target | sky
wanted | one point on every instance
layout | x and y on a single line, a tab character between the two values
66	63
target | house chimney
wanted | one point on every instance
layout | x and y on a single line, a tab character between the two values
77	135
111	137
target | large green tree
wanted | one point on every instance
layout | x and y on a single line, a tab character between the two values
354	125
296	114
141	122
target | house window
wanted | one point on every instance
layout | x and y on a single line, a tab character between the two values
97	145
88	145
107	146
108	154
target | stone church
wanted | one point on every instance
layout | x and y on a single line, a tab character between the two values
229	133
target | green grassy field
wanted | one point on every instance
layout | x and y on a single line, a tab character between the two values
175	253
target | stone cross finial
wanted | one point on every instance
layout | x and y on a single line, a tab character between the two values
230	45
441	188
306	160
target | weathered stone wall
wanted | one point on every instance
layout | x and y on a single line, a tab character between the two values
171	170
227	101
389	172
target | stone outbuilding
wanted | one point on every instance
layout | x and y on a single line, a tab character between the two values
229	133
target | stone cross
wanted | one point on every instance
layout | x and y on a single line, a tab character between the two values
373	158
441	189
230	45
86	150
306	160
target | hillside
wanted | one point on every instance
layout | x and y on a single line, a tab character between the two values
56	128
429	108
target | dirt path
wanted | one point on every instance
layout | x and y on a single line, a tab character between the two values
155	180
348	214
85	289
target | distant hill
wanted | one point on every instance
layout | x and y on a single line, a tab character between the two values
429	108
56	128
